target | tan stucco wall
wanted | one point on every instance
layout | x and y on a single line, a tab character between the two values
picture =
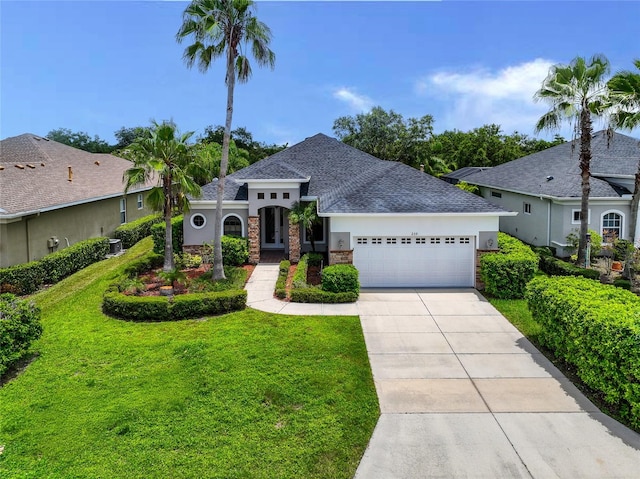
76	223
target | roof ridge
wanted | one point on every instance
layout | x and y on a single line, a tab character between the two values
34	142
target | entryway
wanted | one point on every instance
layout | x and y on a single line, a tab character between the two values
274	227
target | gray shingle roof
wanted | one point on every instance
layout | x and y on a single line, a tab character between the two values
44	184
347	180
616	156
461	173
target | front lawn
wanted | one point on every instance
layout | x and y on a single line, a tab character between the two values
245	395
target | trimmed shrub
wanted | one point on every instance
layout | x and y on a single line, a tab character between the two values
506	273
145	263
157	231
596	328
19	325
622	283
340	278
557	267
281	283
316	295
61	264
314	259
300	275
302	292
133	232
235	250
22	279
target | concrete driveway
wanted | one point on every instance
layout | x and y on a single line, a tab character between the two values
463	394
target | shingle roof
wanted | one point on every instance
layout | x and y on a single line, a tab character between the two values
43	182
618	155
461	173
347	180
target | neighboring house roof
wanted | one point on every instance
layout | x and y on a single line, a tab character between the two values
41	181
556	171
464	172
347	180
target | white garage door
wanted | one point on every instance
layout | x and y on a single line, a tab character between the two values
416	261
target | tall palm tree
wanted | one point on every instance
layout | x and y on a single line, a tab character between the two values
305	214
577	93
224	28
625	94
166	157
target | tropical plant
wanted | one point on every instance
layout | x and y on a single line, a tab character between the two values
224	28
166	157
173	277
305	214
625	94
577	93
210	155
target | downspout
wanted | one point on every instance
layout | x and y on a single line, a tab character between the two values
26	222
549	223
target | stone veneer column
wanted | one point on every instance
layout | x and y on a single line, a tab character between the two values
254	239
294	243
341	257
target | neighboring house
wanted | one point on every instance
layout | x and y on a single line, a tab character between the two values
545	189
457	176
53	195
399	226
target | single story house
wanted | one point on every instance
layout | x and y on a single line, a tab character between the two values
545	188
53	195
461	174
397	225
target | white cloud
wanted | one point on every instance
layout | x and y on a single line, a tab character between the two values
480	96
357	102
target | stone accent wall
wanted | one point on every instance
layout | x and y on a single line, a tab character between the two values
294	243
192	249
254	239
479	254
341	257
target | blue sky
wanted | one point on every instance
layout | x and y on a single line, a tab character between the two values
96	66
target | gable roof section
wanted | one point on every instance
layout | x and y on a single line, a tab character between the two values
347	180
43	182
610	157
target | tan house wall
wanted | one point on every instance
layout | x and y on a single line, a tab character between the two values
26	240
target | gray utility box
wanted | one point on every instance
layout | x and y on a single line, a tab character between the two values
115	246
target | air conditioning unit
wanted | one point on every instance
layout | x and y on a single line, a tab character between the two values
53	242
115	246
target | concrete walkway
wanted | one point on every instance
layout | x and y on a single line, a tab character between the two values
463	394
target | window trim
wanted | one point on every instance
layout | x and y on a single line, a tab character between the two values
140	201
526	206
574	222
123	210
622	218
242	229
195	226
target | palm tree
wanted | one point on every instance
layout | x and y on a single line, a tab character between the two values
576	93
164	156
224	27
625	94
305	214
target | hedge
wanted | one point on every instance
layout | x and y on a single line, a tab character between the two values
19	325
301	292
557	267
281	283
596	328
28	277
157	231
507	272
130	233
340	278
235	250
300	276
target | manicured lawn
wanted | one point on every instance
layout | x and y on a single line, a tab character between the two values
245	395
517	312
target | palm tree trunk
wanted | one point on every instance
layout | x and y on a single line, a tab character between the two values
585	171
168	233
218	268
633	221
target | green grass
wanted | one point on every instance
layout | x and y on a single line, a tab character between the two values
245	395
517	312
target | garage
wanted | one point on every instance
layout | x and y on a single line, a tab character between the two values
415	261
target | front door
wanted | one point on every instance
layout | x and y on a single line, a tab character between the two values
272	219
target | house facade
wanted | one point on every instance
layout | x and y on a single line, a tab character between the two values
54	195
399	226
545	189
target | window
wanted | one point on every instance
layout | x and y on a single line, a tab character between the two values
391	240
232	226
495	194
285	196
261	196
465	240
140	201
611	226
274	196
123	210
405	240
421	240
361	240
575	217
318	233
198	221
526	207
449	240
435	240
376	240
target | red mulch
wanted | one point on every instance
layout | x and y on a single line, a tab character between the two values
313	275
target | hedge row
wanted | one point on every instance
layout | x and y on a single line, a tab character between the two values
317	295
26	278
506	273
302	292
340	278
557	267
596	328
130	233
19	325
158	229
281	283
300	276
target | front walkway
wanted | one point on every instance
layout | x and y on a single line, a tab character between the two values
463	394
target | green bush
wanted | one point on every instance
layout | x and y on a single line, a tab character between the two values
596	328
281	283
157	231
61	264
557	267
506	273
22	279
300	276
314	259
340	278
131	233
143	264
19	325
317	295
622	249
622	283
235	250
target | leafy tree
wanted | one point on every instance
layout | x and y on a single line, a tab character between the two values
166	157
576	93
386	135
625	93
80	140
210	155
306	215
126	136
224	28
244	140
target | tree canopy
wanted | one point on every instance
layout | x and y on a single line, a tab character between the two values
80	140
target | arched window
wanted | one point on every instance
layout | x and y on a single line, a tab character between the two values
232	226
611	226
